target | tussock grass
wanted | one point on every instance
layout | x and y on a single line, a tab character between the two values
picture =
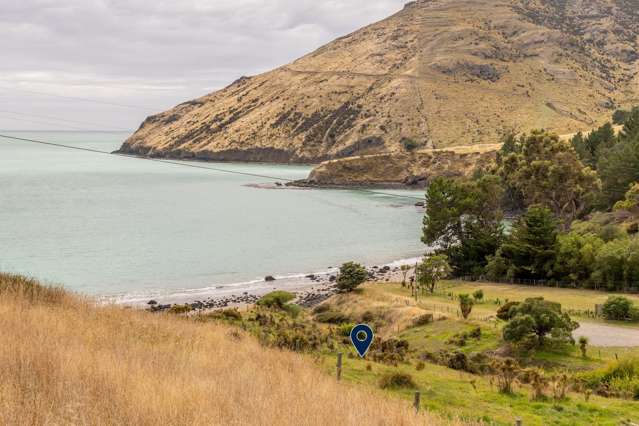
65	361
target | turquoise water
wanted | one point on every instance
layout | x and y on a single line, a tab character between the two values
107	225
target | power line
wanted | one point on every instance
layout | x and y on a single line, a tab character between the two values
196	166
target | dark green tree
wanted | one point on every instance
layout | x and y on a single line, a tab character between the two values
544	170
540	318
619	168
590	147
530	249
463	219
351	275
617	308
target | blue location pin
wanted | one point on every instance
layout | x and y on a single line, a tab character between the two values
362	337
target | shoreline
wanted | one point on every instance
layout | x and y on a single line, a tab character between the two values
310	289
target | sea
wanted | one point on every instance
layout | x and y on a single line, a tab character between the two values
128	230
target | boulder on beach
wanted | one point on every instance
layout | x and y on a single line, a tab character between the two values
269	278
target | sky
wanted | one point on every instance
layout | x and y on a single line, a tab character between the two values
107	64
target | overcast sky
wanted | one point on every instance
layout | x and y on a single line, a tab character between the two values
150	54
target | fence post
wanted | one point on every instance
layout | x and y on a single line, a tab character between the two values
518	422
416	404
339	366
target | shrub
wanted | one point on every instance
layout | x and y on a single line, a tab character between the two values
620	378
409	144
345	329
583	345
397	381
536	317
420	366
351	275
179	309
332	317
503	313
276	299
465	305
292	309
321	308
423	320
617	308
458	361
478	295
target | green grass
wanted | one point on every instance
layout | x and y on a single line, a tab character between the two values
451	393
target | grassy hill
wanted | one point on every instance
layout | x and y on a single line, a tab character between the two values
65	361
439	73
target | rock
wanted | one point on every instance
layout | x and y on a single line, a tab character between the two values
332	278
152	303
420	204
269	278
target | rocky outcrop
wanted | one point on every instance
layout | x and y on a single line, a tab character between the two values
401	170
440	72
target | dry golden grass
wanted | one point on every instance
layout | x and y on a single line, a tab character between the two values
65	361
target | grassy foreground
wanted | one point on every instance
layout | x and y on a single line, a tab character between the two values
65	361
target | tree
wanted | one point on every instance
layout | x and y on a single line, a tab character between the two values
530	249
631	200
540	318
466	305
430	271
351	275
463	219
575	257
544	170
617	308
619	168
591	146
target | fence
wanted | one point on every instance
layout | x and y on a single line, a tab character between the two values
618	286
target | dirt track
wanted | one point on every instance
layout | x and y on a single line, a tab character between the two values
608	335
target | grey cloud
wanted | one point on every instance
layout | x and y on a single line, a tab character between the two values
154	53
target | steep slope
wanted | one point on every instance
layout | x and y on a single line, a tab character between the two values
64	361
439	72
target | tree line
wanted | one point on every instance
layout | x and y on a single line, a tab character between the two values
568	198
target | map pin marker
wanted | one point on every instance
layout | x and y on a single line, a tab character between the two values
362	337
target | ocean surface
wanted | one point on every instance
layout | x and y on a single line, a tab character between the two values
131	229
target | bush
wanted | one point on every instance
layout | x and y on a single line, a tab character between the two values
620	378
423	320
409	144
292	309
536	319
276	299
345	329
478	295
617	308
397	381
332	317
351	275
465	305
179	309
503	313
321	308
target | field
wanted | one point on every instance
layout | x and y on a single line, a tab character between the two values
65	361
471	396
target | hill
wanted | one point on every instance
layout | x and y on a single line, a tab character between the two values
439	72
64	360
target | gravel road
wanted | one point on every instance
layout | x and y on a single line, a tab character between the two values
608	335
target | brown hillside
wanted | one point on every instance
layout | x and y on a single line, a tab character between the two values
65	361
440	72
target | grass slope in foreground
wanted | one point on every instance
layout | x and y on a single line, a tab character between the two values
65	361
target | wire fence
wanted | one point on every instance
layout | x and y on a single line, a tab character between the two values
616	286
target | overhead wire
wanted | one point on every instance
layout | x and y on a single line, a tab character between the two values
196	166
